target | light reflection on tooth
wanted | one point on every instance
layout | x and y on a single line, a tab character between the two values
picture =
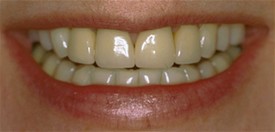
221	62
187	45
127	77
83	75
237	34
114	49
45	39
173	76
64	71
50	63
191	72
38	53
155	49
60	40
81	47
149	76
208	37
206	69
103	76
223	37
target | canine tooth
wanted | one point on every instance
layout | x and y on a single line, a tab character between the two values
208	36
38	53
114	49
33	35
103	76
127	77
149	76
50	63
206	69
223	37
187	45
60	40
81	47
191	73
64	71
237	33
234	52
45	39
173	76
155	49
221	62
82	75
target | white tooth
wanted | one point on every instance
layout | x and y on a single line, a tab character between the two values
83	74
60	40
173	76
234	52
64	71
33	35
127	77
81	47
103	76
221	62
191	72
149	76
155	49
45	39
38	53
208	37
114	49
237	33
223	37
206	69
50	63
187	43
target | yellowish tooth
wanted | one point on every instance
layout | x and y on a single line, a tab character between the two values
50	63
223	37
191	73
187	45
103	76
221	62
173	76
45	39
81	48
114	49
155	49
208	37
64	71
149	76
38	53
83	75
206	69
237	34
127	77
60	40
234	52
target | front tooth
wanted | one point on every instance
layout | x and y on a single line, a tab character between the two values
208	36
237	33
155	49
149	76
60	39
187	45
45	39
127	77
173	76
191	72
50	63
206	69
114	49
38	53
81	47
64	71
103	76
223	37
82	75
221	62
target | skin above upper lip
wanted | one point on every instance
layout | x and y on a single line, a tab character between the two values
141	107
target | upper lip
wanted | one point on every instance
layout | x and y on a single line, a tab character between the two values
142	107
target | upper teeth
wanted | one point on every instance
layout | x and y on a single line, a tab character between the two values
158	48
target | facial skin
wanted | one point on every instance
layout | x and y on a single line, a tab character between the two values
250	108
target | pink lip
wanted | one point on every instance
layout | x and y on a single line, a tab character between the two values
133	108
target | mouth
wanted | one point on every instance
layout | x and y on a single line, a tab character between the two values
132	76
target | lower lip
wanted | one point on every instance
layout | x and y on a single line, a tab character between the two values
132	108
